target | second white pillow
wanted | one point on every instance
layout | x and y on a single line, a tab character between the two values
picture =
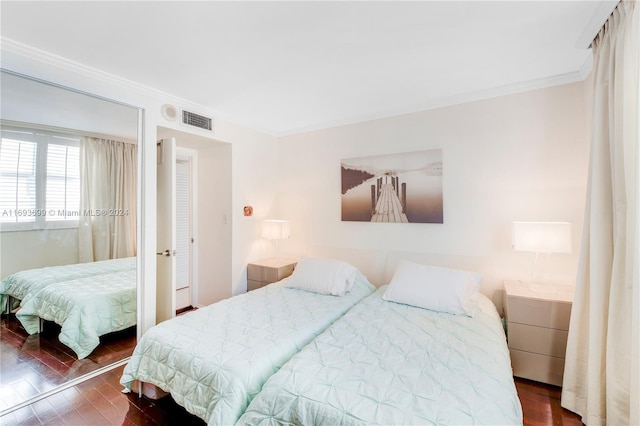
324	276
435	288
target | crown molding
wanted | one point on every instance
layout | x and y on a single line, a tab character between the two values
599	17
48	58
586	67
60	62
462	98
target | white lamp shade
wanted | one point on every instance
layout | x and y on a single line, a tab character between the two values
275	229
542	237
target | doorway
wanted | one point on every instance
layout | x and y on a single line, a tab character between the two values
202	225
186	222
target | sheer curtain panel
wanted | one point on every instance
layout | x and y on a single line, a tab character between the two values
602	376
107	222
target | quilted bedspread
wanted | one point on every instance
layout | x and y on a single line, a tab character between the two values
86	308
392	364
214	360
24	284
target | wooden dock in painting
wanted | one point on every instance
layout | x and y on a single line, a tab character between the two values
388	207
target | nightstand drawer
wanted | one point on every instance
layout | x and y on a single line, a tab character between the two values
254	285
268	275
540	340
267	271
543	313
259	273
541	368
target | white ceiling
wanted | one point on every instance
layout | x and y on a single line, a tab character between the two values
286	67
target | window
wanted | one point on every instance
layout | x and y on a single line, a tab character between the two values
39	179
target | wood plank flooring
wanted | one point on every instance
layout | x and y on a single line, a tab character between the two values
99	401
30	365
541	405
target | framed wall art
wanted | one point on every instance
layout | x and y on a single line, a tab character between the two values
398	188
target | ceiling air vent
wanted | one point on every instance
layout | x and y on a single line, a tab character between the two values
197	120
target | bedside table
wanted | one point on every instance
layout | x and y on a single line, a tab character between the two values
268	271
537	328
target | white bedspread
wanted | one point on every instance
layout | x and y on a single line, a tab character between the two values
214	360
86	308
392	364
25	284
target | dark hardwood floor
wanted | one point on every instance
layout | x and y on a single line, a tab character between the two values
541	405
99	401
30	365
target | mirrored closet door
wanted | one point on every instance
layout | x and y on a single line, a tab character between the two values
69	171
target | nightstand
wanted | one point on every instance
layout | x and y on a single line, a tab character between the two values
268	271
537	328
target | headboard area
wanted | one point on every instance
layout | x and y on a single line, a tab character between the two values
379	265
371	263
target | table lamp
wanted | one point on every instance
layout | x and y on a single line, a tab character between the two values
275	230
541	237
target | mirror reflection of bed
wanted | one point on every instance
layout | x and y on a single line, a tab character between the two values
68	235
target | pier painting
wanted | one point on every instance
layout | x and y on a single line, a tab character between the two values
398	188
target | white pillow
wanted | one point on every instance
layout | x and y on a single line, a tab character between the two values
435	288
324	276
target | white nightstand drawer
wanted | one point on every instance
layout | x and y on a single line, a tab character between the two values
543	313
258	272
254	285
541	368
267	271
540	340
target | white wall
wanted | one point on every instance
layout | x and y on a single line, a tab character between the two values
36	249
214	224
254	184
520	157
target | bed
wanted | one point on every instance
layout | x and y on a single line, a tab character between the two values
390	363
85	308
22	285
214	360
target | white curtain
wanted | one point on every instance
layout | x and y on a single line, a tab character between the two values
601	376
108	182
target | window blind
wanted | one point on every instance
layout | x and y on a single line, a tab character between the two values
62	182
17	180
183	224
39	178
